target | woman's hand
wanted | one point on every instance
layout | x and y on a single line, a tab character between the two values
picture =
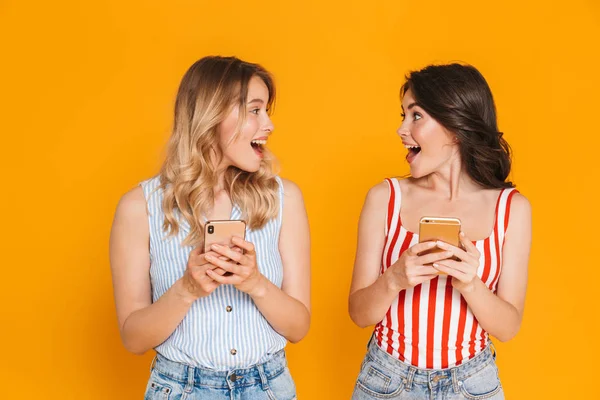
463	272
195	280
411	269
245	275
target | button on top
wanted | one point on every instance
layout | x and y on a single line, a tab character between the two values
233	378
228	308
233	352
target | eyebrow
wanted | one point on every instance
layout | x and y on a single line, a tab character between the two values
411	105
256	101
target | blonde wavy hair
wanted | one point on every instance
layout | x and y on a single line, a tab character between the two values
188	176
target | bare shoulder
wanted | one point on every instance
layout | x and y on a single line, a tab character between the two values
132	204
378	194
520	206
291	189
520	214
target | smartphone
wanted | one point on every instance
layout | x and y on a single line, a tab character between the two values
445	229
221	232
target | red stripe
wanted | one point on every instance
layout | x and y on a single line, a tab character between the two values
378	329
461	329
401	300
446	323
390	215
507	213
487	257
498	263
393	243
401	337
486	268
431	322
415	323
473	339
391	204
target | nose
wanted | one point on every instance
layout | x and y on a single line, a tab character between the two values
403	132
268	126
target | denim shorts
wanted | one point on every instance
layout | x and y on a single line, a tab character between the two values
385	377
171	380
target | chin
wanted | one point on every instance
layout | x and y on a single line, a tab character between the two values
417	173
249	167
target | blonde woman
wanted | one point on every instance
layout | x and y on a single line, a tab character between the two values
219	321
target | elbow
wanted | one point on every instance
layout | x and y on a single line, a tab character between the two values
508	334
301	329
357	317
358	321
133	346
135	349
300	333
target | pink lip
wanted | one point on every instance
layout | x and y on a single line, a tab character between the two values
261	138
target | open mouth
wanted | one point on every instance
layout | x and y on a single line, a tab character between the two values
258	146
413	152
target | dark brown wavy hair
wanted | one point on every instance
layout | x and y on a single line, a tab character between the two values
459	98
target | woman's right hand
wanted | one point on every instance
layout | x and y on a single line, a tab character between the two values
196	281
411	270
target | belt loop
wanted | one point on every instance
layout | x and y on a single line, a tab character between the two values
263	377
409	378
493	349
455	383
191	371
153	363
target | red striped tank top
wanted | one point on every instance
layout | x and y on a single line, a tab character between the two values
430	325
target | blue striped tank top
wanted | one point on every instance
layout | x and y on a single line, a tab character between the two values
224	330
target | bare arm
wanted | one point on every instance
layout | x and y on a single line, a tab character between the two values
143	324
287	309
371	294
501	314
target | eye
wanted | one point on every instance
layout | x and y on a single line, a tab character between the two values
255	111
417	116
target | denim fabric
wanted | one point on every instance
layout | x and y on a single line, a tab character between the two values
384	377
271	380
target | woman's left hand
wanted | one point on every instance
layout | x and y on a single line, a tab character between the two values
245	275
463	272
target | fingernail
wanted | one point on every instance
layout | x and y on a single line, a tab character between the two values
449	253
462	234
432	244
441	244
208	257
435	265
215	246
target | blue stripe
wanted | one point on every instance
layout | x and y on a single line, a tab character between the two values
208	333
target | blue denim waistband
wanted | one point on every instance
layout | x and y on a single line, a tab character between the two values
425	376
198	376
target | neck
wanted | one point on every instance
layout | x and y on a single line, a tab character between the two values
452	181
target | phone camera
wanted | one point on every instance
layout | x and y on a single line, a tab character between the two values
426	221
211	229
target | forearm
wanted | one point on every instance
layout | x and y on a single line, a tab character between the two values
148	327
498	317
287	315
368	305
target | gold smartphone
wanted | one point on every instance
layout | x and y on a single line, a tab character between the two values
445	229
221	232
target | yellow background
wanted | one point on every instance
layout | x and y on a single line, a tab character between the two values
87	91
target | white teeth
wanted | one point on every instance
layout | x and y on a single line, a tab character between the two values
411	147
263	142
